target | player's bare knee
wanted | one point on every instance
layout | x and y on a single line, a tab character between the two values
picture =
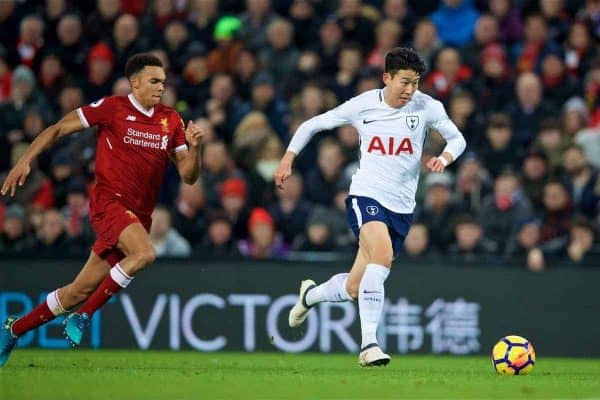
144	257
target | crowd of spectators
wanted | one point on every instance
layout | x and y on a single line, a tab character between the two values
520	78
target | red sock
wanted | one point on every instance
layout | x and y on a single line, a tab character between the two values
38	316
116	280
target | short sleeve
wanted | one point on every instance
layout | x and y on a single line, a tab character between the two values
96	113
179	142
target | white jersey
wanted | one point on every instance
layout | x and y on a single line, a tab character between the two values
391	143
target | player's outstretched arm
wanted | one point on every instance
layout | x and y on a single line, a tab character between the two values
69	124
188	162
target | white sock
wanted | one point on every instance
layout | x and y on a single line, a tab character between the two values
119	276
53	303
371	296
334	290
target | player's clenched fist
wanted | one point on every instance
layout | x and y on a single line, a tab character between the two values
193	134
15	177
435	164
284	170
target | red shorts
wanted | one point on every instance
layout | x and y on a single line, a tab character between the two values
109	218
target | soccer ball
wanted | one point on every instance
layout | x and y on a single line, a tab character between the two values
513	355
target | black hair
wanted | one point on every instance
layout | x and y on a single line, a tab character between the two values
137	62
403	58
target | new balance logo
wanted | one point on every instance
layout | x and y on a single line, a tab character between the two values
130	118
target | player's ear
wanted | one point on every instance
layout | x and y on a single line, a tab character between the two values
387	77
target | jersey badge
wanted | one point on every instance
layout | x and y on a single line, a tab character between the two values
412	121
164	123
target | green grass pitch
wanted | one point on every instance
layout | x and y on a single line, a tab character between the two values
112	375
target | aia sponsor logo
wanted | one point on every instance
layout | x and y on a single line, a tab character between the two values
390	146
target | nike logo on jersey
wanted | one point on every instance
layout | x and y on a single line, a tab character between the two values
368	122
369	292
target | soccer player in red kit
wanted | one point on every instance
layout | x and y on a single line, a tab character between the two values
137	137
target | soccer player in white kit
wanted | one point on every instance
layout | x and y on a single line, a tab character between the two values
392	123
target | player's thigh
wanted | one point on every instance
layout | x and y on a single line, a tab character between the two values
376	244
91	275
135	240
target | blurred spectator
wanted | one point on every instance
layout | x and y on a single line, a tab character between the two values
438	211
463	111
486	33
557	18
215	170
76	210
455	21
203	16
526	240
387	36
52	77
254	23
245	71
14	237
166	240
234	201
195	83
344	83
224	109
279	56
356	27
23	97
61	172
558	86
473	183
469	241
529	108
556	218
509	19
100	76
260	177
580	50
290	211
99	24
306	22
448	74
502	212
585	190
126	39
53	240
401	12
551	141
321	180
72	45
500	151
249	136
574	118
535	174
426	41
581	241
188	214
536	44
319	235
29	42
218	241
329	44
263	241
493	87
416	244
264	99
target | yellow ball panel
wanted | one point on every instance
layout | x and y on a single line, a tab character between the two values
499	350
504	369
514	339
526	370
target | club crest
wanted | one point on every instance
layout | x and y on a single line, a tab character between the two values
372	210
412	121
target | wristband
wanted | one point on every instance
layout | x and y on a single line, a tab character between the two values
443	161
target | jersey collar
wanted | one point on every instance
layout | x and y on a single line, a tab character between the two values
139	107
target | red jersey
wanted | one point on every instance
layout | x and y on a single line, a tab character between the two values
133	148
